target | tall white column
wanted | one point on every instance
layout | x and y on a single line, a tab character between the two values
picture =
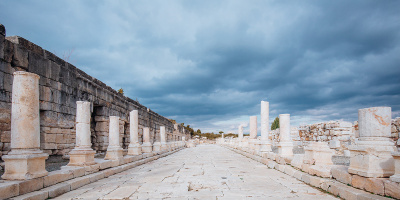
285	146
147	147
265	142
114	150
83	153
134	148
26	160
371	156
253	127
163	139
240	132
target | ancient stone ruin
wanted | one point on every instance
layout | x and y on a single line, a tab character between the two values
370	146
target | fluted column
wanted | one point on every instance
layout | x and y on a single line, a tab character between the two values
82	154
26	160
134	148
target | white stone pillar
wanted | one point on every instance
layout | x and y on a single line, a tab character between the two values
26	160
253	127
114	150
164	146
83	153
265	142
240	132
134	148
396	176
285	146
146	146
157	143
371	156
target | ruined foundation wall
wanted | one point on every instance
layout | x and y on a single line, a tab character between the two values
339	134
61	85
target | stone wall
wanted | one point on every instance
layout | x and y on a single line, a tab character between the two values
61	85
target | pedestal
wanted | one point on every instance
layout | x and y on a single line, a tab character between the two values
157	146
265	146
147	147
114	153
285	149
24	164
372	158
134	149
81	157
396	176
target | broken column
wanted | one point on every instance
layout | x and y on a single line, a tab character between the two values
114	150
319	155
134	148
25	160
285	146
82	154
265	142
146	146
240	132
164	146
371	155
253	133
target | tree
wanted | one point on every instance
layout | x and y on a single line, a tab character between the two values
221	132
275	124
198	131
121	91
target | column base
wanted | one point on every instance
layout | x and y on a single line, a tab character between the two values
114	153
24	164
147	147
164	146
265	146
81	157
134	149
157	146
285	149
372	159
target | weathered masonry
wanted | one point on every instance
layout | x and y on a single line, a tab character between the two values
61	85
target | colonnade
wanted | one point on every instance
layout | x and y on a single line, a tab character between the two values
27	161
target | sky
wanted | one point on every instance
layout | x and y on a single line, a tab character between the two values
209	64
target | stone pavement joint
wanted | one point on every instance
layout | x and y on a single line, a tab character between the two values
204	172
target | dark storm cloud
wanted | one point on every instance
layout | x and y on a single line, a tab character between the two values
209	64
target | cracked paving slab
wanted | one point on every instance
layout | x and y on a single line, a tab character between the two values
203	172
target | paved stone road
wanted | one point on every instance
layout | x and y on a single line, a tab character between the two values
204	172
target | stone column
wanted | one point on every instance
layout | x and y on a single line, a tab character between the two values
371	156
146	146
114	150
240	132
164	146
265	142
253	127
396	176
26	160
285	146
157	143
134	148
82	154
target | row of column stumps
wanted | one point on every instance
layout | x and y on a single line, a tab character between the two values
26	160
373	154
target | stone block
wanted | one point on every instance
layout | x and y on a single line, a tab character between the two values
95	177
306	178
31	185
290	170
9	189
306	168
38	195
316	181
78	182
58	176
20	58
298	175
375	185
392	189
321	170
358	181
341	174
57	190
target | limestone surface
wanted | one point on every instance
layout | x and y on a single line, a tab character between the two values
203	172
